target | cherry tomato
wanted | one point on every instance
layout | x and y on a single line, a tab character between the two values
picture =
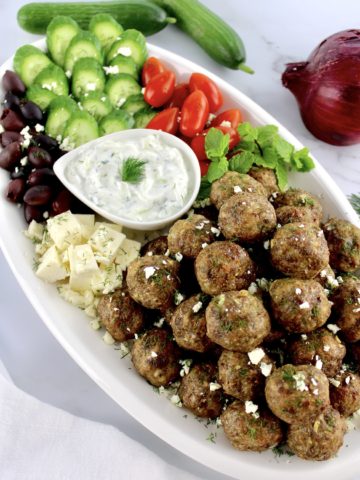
160	89
167	121
199	81
151	68
181	91
194	114
198	142
204	167
234	116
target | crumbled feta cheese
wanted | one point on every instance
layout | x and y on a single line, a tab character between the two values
210	119
237	189
318	363
153	354
175	399
159	323
316	391
263	283
252	288
204	245
341	280
213	386
200	226
333	328
186	364
178	256
251	407
149	272
24	161
334	382
256	355
356	310
108	339
326	348
167	253
300	382
304	305
39	128
304	336
313	381
111	70
95	324
215	231
178	298
67	145
266	244
298	291
218	422
323	273
265	368
225	123
347	380
197	307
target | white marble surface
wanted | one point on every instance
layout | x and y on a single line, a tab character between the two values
275	32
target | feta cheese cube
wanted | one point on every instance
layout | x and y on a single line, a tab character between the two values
87	225
64	230
35	232
105	242
51	268
107	279
128	251
83	267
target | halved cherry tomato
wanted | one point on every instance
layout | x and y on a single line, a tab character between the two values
204	167
160	89
199	81
167	121
152	67
234	116
198	142
181	91
194	114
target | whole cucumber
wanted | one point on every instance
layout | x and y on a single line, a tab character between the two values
215	36
139	14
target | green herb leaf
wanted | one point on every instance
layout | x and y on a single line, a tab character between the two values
268	159
281	175
132	170
355	202
241	162
302	161
216	144
283	148
247	132
217	169
266	135
205	187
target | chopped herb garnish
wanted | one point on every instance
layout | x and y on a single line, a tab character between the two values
132	170
282	449
211	438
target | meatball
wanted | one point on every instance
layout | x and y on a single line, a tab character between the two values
248	431
199	391
189	325
232	183
347	309
321	347
237	321
300	306
247	217
224	266
267	178
318	438
299	250
188	236
345	393
153	280
156	357
120	315
158	246
240	378
295	197
344	244
291	214
297	393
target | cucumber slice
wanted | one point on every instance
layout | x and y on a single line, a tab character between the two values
116	121
54	79
134	104
97	104
79	129
28	63
84	44
60	31
41	96
132	43
143	117
88	76
60	110
124	65
120	87
106	29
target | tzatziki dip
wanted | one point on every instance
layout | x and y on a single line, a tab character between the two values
140	179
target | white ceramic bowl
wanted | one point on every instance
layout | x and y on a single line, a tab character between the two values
102	363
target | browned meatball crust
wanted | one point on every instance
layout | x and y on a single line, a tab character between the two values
296	393
267	178
291	214
248	432
158	246
295	197
239	377
247	217
120	315
237	321
343	239
156	357
345	397
319	438
224	266
347	309
189	325
153	280
188	236
199	391
321	347
231	184
299	250
300	306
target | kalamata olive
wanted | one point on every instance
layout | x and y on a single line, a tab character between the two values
38	195
11	101
44	141
33	213
39	157
9	137
11	82
20	172
62	202
11	120
31	112
42	176
15	190
10	155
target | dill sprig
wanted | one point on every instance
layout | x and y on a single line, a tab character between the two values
354	199
132	170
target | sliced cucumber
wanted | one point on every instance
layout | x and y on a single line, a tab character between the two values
124	65
84	44
97	104
28	63
105	28
132	43
60	31
79	129
120	87
116	121
60	110
134	104
143	117
41	96
88	76
54	79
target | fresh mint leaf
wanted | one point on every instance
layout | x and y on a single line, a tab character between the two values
268	159
283	148
216	144
302	161
205	187
266	135
247	132
217	169
241	162
281	175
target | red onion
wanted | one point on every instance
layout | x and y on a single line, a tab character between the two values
327	88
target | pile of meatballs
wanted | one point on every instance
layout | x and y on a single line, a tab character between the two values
262	297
